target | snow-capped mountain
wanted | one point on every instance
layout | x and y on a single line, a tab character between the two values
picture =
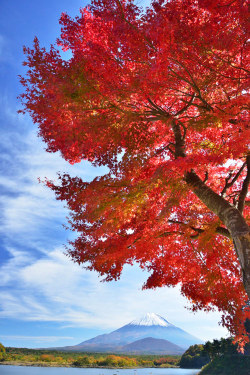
151	319
150	325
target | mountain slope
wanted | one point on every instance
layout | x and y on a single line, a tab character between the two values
151	325
150	345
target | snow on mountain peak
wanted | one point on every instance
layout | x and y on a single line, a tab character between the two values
151	319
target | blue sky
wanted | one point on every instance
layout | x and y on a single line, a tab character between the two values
45	299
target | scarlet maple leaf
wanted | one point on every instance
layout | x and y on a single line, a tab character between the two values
160	97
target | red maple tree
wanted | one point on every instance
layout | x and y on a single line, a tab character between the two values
159	96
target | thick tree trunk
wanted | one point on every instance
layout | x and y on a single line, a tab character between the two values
232	219
242	246
228	214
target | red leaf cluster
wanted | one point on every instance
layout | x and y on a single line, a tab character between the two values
132	74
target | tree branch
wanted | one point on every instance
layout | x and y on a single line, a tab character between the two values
220	230
179	140
207	106
228	214
244	190
206	177
156	110
229	184
149	42
186	106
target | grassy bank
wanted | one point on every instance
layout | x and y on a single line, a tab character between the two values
48	358
228	365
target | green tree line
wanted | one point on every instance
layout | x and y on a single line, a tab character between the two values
59	358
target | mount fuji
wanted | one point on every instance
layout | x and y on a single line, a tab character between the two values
148	331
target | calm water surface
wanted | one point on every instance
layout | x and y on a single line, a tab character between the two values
23	370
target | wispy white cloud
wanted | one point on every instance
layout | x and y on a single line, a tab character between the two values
36	339
39	283
29	204
17	260
80	300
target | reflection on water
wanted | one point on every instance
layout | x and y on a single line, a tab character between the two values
23	370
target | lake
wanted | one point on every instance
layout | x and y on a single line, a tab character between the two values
23	370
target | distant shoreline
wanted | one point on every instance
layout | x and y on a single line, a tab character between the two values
39	364
32	364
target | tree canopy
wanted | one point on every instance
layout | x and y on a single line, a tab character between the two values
159	96
2	352
195	357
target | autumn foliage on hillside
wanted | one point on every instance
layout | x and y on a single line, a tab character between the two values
159	96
